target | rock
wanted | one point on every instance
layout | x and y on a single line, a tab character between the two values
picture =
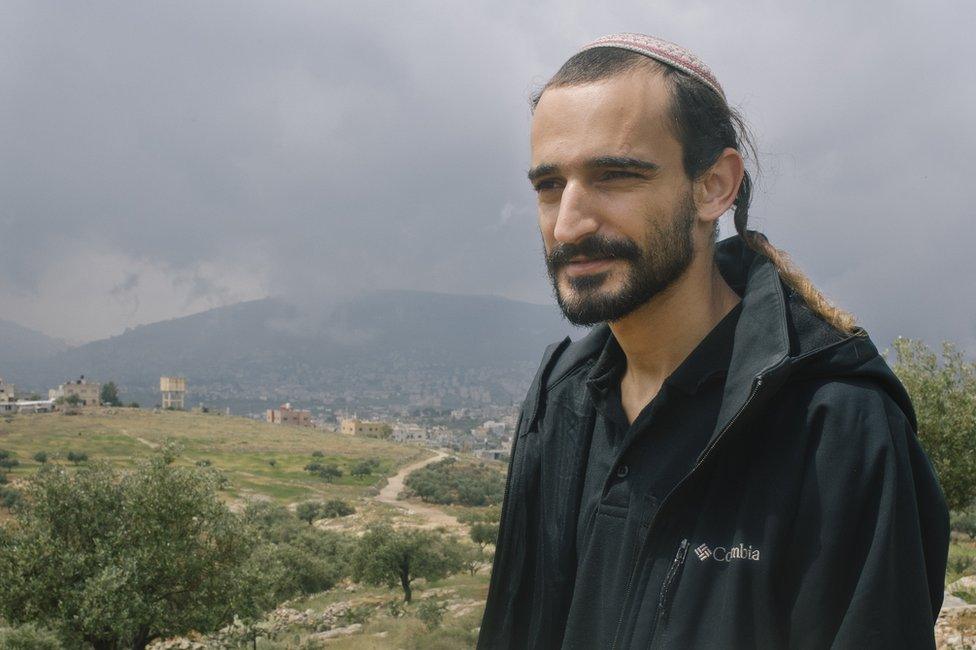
339	631
967	583
956	628
950	602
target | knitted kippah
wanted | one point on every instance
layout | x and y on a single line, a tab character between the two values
664	51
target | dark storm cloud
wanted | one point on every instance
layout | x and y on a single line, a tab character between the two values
231	150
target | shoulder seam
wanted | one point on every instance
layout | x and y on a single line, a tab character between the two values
582	365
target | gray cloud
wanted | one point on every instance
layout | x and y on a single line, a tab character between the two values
222	151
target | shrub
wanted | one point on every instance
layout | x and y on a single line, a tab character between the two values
295	558
450	482
960	565
41	457
308	511
362	468
317	454
336	508
483	534
28	637
77	457
431	613
965	594
489	514
327	472
964	522
356	614
10	498
396	608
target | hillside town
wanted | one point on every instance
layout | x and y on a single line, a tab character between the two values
483	430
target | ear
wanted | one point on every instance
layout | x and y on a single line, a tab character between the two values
717	188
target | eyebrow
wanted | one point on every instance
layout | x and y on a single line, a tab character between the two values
616	162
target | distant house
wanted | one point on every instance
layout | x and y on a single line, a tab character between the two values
287	415
88	392
410	433
357	427
494	428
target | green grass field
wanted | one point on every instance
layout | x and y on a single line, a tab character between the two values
259	459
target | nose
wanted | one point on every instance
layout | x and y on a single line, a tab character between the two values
576	217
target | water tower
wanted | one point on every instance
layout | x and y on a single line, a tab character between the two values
174	392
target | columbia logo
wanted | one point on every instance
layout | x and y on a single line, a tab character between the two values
723	554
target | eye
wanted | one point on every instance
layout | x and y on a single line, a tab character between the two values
614	174
546	185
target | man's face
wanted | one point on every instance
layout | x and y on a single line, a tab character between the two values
616	210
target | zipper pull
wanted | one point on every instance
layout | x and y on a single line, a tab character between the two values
679	559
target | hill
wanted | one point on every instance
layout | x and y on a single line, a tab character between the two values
23	349
391	347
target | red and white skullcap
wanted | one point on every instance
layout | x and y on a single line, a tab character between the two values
660	50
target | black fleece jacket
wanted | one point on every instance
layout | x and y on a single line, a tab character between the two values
812	519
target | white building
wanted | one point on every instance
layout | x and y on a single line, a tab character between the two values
494	428
409	433
35	406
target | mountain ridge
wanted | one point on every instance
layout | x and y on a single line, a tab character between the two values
391	346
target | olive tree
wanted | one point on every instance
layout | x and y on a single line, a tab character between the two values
118	559
944	396
308	511
386	556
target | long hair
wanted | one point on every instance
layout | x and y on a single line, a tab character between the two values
705	125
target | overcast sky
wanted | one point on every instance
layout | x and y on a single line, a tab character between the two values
158	159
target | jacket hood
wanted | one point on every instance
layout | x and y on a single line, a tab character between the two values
778	338
778	328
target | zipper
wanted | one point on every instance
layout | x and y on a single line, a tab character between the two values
670	579
756	385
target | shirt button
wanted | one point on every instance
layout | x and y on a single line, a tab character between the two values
622	470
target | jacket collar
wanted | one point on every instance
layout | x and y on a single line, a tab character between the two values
762	340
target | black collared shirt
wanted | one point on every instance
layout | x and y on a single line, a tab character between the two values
632	467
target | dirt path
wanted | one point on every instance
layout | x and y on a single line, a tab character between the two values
434	517
151	445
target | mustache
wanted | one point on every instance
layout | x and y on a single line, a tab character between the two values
593	247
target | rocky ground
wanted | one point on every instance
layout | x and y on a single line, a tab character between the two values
956	627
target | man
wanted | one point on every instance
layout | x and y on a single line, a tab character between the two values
724	461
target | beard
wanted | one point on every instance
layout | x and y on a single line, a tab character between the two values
665	254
